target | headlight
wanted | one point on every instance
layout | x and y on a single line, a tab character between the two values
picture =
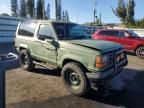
120	57
101	61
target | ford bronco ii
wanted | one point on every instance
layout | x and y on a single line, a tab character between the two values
63	45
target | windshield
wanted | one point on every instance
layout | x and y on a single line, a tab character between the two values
70	31
133	34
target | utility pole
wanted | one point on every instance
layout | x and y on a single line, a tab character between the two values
95	11
43	4
34	13
56	1
100	19
94	15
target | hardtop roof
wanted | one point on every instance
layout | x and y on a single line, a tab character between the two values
47	21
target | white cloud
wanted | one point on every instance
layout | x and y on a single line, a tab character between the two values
4	9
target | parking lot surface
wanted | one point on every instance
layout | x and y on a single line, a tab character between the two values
43	88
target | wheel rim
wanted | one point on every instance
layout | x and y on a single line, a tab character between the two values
72	79
140	52
24	59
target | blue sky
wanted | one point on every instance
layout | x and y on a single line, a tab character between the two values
81	11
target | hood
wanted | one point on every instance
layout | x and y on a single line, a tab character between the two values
97	44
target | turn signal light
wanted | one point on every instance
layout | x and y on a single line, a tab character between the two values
99	62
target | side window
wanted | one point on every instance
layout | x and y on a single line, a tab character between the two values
113	33
123	34
109	33
27	28
103	33
126	34
45	32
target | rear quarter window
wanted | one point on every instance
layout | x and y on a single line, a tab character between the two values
27	28
113	33
103	33
109	33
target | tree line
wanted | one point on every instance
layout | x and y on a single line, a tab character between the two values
126	14
28	9
61	14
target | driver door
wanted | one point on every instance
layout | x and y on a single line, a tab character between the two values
125	40
46	45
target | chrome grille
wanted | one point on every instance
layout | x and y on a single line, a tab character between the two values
111	57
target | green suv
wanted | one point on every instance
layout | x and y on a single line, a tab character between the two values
84	63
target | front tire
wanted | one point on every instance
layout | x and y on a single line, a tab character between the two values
140	52
26	61
74	79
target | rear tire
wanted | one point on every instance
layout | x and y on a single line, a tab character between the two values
140	52
74	79
26	61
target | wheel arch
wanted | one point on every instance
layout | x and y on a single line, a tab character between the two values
68	60
24	47
138	47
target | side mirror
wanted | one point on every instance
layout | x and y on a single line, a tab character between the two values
53	42
129	36
49	39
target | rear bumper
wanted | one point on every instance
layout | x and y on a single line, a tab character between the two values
105	76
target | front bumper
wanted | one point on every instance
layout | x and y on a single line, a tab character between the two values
107	75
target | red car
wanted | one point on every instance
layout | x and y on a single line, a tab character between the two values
131	41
